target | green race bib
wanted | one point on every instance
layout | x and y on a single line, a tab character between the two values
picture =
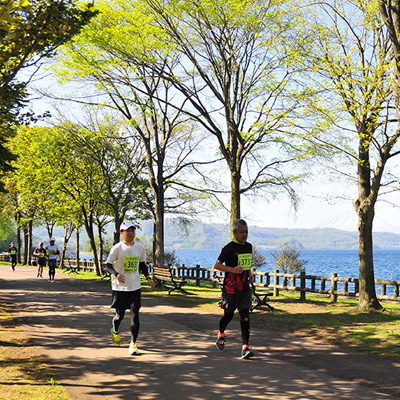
245	261
131	263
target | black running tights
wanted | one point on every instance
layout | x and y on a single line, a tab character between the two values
244	324
135	323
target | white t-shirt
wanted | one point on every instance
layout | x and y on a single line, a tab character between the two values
52	252
125	260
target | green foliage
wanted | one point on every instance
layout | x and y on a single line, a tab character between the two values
30	30
287	259
170	258
7	232
258	260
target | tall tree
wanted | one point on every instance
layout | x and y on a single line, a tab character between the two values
120	159
104	55
29	32
236	69
351	60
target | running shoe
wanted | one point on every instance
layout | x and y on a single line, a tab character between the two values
247	353
220	343
115	338
133	350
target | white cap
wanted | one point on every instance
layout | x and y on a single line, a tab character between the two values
126	225
52	240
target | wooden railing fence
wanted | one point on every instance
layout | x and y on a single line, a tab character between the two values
332	286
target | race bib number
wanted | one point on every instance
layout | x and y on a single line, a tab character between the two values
244	261
131	263
41	255
52	252
13	252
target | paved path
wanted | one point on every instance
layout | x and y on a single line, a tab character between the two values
69	322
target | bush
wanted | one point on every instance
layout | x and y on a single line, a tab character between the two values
287	259
258	259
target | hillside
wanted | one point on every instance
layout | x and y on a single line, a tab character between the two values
200	236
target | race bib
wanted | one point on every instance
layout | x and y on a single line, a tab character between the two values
245	261
131	263
13	252
52	252
41	255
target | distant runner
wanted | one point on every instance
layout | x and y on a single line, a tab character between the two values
40	253
125	261
52	252
13	251
236	260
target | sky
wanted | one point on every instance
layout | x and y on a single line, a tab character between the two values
315	211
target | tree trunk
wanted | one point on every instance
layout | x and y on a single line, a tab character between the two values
235	198
19	241
101	245
77	232
30	244
365	208
159	227
367	299
64	249
117	221
88	220
26	246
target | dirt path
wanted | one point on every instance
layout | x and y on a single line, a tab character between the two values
69	323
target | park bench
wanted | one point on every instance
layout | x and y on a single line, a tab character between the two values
165	278
259	299
70	267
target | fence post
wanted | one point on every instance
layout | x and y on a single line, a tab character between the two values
333	287
276	282
302	285
198	275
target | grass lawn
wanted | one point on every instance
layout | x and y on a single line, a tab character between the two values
24	376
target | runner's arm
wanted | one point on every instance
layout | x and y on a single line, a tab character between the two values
144	269
225	268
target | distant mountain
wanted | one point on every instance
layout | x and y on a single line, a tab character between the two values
348	222
200	236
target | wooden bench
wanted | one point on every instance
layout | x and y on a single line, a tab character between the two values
260	299
165	278
72	269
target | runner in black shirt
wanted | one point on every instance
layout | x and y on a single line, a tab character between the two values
13	251
235	260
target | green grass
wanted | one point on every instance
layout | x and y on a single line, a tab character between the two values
23	375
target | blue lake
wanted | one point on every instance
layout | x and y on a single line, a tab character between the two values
320	262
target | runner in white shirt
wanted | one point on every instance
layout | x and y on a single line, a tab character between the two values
125	262
52	252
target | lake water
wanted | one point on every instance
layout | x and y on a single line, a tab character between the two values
320	262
